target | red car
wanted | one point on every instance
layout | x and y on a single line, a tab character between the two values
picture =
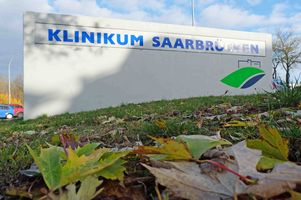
18	110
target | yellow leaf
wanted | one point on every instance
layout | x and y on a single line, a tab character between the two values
168	150
295	195
236	123
299	105
266	163
113	165
78	167
88	190
161	123
272	146
59	170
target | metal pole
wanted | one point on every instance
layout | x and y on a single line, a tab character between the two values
192	13
9	92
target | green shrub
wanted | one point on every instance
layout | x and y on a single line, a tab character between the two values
288	96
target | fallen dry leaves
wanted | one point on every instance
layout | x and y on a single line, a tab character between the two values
168	150
189	180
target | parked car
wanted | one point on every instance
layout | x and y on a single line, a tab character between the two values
18	110
6	111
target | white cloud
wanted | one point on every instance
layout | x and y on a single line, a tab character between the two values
173	15
141	10
134	5
83	7
206	2
11	12
228	16
254	2
296	22
233	17
278	15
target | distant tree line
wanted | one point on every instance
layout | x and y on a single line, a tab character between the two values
16	90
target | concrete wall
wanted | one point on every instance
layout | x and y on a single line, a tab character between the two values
74	76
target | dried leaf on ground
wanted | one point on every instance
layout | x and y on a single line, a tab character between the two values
161	123
19	192
31	172
169	149
113	120
274	148
235	109
183	148
113	190
236	123
283	178
199	144
69	140
246	159
199	123
185	180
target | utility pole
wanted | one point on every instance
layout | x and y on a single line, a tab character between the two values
192	13
9	92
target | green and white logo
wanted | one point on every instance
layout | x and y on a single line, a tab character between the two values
244	77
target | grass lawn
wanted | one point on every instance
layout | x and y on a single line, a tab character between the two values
126	125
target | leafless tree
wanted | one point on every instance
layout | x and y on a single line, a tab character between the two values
276	63
286	52
17	87
3	85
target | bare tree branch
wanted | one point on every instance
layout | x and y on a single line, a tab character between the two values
287	51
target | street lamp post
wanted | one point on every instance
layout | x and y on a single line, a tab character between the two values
9	92
192	13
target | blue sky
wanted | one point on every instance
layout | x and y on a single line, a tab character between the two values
246	15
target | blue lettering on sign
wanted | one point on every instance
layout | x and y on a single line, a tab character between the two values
98	38
53	35
138	39
199	45
66	37
254	49
108	38
218	47
76	36
156	42
209	46
179	43
86	36
189	44
166	42
125	39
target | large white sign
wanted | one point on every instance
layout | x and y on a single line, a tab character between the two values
121	38
74	63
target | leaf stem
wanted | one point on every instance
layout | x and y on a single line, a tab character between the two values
224	167
158	192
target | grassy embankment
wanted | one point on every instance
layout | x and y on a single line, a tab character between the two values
127	124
